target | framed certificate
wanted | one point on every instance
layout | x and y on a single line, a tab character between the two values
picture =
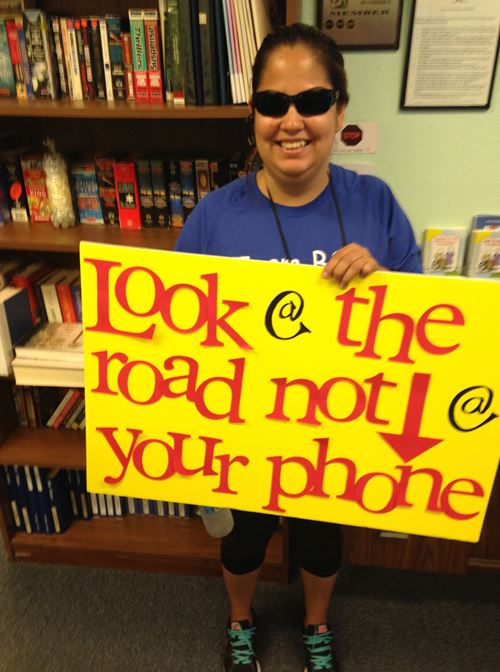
361	24
452	54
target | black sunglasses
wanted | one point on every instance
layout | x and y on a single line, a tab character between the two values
307	103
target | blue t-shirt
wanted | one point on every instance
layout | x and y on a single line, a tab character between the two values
238	221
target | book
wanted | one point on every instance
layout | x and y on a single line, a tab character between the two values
174	65
86	192
114	29
207	51
13	497
483	255
39	476
15	59
243	46
81	58
261	16
106	62
59	56
153	55
65	297
221	56
139	57
39	55
235	94
23	48
186	51
160	199
145	186
36	187
196	44
128	65
27	277
54	373
7	79
107	190
174	194
53	341
60	504
490	222
127	195
15	324
7	270
22	494
89	66
444	251
69	402
96	55
49	295
32	499
71	68
188	188
202	178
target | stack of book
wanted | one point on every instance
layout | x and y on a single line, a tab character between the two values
52	356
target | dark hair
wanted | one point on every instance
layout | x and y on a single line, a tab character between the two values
321	44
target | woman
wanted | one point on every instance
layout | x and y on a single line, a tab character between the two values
298	209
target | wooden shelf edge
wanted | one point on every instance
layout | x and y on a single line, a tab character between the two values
484	564
94	109
44	447
139	543
43	237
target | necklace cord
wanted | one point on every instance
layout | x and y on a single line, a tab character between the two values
340	220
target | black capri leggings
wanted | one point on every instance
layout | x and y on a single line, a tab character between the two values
316	545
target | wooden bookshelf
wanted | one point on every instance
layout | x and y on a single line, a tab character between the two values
43	237
101	109
44	447
134	542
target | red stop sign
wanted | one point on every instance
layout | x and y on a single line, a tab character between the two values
351	135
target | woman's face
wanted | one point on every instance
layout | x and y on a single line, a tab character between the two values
294	146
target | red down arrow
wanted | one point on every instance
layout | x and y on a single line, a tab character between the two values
409	444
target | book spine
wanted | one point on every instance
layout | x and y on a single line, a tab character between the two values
86	191
36	188
128	65
60	504
32	501
176	77
66	302
36	54
49	56
113	26
22	492
24	57
207	50
202	178
13	497
145	186
59	54
96	52
15	59
174	194
188	189
153	55
139	58
68	406
160	202
51	302
63	25
186	52
43	500
165	56
81	58
74	62
87	55
107	191
76	293
195	39
7	79
127	195
105	59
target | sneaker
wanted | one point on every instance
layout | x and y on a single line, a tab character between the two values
240	650
318	645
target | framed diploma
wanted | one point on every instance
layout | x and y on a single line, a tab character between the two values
361	24
452	54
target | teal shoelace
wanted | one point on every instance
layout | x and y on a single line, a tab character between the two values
320	650
242	645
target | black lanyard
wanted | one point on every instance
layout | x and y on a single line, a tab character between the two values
280	228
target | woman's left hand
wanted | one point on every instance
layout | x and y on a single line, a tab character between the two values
348	262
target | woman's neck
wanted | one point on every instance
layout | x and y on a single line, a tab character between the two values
292	191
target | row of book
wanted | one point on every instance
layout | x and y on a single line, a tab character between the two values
186	51
53	294
55	407
473	252
129	192
47	501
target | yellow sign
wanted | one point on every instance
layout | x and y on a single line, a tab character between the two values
265	387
